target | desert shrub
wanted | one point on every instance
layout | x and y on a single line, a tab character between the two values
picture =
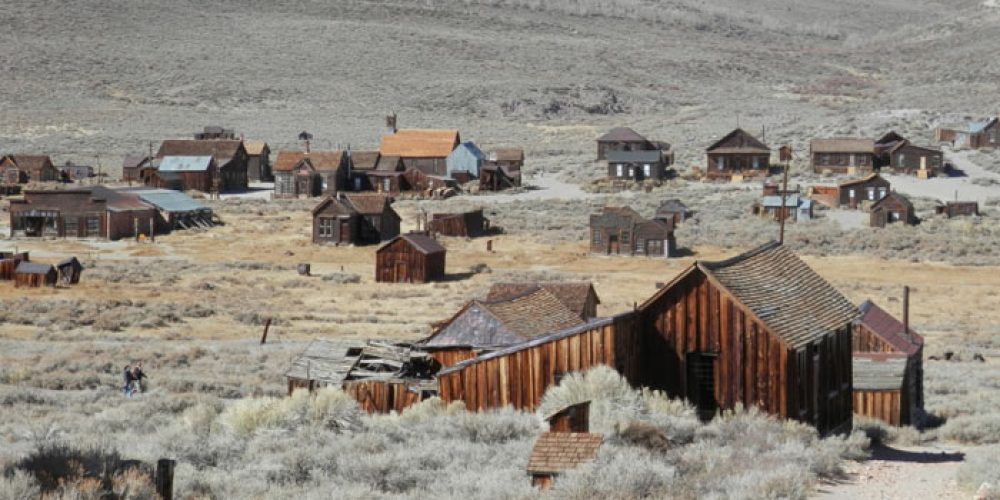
612	400
980	466
342	278
878	431
975	429
19	484
328	408
64	469
619	473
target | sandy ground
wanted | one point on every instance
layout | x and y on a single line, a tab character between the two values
946	188
901	473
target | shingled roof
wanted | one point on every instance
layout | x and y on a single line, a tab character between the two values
783	292
423	243
320	160
369	204
860	180
557	452
888	328
738	141
621	134
30	163
842	145
878	371
420	143
573	295
364	160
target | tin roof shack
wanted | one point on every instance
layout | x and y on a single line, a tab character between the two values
888	366
176	209
759	329
795	209
464	161
580	297
672	210
381	376
972	135
309	173
465	224
908	158
636	165
361	163
958	209
842	156
737	153
857	193
622	231
187	173
9	262
230	158
893	208
426	150
138	168
92	212
355	219
483	325
35	275
410	258
518	375
258	161
626	139
494	176
69	271
567	445
73	172
21	169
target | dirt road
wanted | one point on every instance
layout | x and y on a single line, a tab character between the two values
903	473
946	188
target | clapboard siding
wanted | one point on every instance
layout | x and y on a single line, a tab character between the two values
378	396
883	405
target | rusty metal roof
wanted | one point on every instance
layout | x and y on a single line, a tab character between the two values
888	328
420	143
556	452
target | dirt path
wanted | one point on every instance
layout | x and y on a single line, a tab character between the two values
902	472
543	187
945	188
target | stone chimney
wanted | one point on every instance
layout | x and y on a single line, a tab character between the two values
390	124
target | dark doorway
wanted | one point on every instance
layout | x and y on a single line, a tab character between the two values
613	247
701	383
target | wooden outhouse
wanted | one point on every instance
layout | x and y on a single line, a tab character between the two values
35	275
737	153
759	329
842	156
566	445
893	208
69	271
410	258
888	366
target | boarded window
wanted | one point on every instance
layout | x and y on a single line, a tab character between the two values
597	235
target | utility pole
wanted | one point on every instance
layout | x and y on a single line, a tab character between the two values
783	210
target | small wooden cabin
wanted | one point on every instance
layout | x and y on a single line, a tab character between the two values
922	161
410	258
737	153
888	366
672	210
566	445
187	173
842	155
354	219
893	208
854	192
958	209
69	271
636	165
579	296
35	275
759	329
464	224
21	169
622	231
9	262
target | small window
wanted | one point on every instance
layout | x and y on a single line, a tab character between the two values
646	169
386	185
871	194
625	237
756	163
850	193
71	226
638	246
619	170
326	227
93	225
720	163
881	193
597	236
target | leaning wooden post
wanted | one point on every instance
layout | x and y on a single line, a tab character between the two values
165	478
267	325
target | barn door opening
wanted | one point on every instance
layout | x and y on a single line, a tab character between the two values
613	247
701	383
399	271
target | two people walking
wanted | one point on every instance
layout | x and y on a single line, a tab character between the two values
133	376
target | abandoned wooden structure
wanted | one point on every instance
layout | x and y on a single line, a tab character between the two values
360	163
511	159
495	176
893	208
389	176
958	208
566	445
9	262
636	165
92	212
792	207
922	161
626	139
71	172
888	366
309	173
579	296
972	135
622	231
464	224
30	274
258	161
69	271
21	169
759	329
672	210
426	150
354	219
737	153
463	163
855	193
176	210
229	154
842	155
187	173
138	168
410	258
381	376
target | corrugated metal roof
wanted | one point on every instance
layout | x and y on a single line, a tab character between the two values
888	328
185	163
170	201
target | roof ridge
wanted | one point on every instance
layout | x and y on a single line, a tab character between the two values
739	258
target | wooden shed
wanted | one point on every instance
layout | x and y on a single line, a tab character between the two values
410	258
958	208
760	329
567	445
495	177
464	224
9	262
737	153
69	271
673	210
853	193
888	366
518	375
893	208
35	275
912	159
622	231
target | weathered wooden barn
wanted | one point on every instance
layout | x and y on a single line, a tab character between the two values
187	173
888	366
567	445
672	210
737	153
760	329
426	150
972	135
410	258
381	376
958	208
842	155
622	231
579	296
91	212
893	208
463	224
138	168
21	169
355	219
309	173
636	165
30	274
258	161
230	158
69	271
495	176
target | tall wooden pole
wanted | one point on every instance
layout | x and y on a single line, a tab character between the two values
783	209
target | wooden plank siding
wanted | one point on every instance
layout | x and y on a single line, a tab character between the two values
451	357
882	405
379	396
519	376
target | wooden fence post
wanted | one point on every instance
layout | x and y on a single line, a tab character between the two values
165	478
267	325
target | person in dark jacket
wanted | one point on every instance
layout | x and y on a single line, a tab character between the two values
137	376
128	388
